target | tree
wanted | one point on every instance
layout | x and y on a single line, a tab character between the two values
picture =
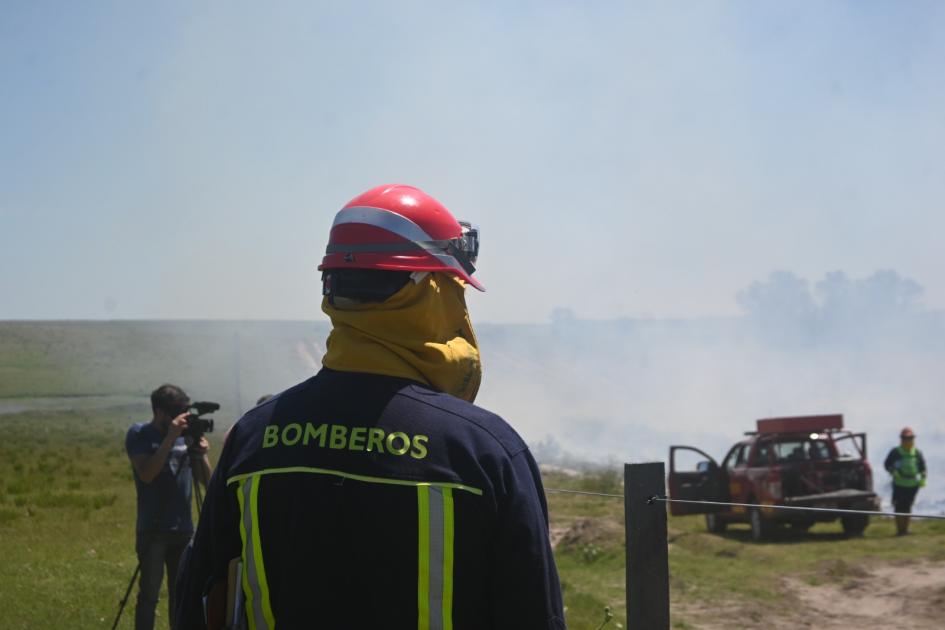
781	306
881	304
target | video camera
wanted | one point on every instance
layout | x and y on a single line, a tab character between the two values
197	426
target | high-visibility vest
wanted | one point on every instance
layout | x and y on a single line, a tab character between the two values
907	468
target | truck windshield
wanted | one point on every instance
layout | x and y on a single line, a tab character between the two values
801	450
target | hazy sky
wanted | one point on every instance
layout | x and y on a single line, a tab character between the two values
623	159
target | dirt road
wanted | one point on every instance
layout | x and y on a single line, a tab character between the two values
906	594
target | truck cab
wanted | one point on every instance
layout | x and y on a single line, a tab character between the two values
801	461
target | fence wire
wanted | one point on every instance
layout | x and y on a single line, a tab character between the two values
796	508
593	494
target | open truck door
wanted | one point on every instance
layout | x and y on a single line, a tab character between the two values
705	483
850	445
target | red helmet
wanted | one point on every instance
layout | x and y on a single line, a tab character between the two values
401	228
907	433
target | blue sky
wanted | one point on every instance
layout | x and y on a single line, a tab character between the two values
185	160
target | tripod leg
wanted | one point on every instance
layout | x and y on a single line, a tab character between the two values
195	462
198	496
124	600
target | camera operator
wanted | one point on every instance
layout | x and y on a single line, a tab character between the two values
165	465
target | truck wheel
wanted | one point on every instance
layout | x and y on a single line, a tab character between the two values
854	524
760	528
714	524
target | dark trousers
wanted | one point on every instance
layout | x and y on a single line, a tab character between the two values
155	552
903	498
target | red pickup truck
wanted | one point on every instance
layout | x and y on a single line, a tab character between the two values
805	461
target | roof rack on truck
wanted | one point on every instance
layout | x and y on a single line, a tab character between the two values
801	424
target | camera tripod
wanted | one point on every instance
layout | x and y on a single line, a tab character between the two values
195	459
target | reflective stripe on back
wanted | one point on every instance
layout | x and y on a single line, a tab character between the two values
345	475
435	533
435	558
258	606
448	521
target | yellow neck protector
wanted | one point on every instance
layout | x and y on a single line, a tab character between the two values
422	333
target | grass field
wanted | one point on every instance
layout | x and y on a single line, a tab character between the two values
67	532
710	571
67	501
67	505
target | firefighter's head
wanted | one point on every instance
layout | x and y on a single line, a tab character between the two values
389	235
394	278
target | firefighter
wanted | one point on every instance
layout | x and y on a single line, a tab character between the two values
375	494
907	467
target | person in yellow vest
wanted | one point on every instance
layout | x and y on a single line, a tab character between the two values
907	467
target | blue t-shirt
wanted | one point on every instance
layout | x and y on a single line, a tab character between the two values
163	504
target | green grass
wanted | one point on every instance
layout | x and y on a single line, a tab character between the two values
67	505
707	569
66	519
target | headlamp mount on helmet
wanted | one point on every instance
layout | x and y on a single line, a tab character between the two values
467	246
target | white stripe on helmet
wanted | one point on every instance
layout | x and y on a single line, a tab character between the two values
384	219
399	225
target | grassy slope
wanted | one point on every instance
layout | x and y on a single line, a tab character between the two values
131	358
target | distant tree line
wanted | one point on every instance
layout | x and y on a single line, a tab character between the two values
882	308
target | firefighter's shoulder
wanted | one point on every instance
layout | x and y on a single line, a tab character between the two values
477	423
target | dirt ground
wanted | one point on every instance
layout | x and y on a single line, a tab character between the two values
907	595
586	531
839	594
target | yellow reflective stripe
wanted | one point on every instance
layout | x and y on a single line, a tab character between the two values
423	562
254	615
436	559
365	478
258	557
447	559
255	588
435	536
247	589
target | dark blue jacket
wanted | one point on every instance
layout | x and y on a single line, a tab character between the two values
366	501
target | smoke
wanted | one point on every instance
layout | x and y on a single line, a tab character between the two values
581	390
627	389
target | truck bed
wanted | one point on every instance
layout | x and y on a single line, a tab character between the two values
838	498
